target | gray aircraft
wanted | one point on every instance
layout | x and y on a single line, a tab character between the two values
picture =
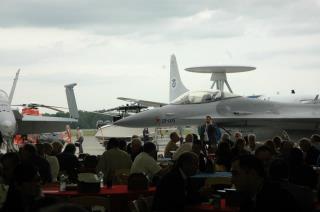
12	122
232	113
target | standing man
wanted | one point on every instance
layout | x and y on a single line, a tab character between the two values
79	140
145	135
67	135
209	132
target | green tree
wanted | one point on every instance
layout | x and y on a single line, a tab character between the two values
87	120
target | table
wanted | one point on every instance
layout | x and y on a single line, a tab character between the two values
164	162
119	194
213	175
211	179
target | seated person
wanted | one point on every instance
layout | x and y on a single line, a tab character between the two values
197	148
256	193
68	162
52	160
89	164
223	157
265	155
24	189
146	162
9	162
185	147
238	148
56	148
29	155
279	172
299	172
172	145
252	143
311	152
173	191
135	147
112	160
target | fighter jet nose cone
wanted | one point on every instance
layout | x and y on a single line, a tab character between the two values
126	122
142	119
119	122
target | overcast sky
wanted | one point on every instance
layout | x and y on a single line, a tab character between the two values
123	47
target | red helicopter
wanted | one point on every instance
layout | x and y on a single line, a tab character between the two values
33	110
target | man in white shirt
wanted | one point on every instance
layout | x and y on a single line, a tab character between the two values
172	145
185	147
52	160
146	162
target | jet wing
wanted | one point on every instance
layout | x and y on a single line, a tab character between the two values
42	124
143	102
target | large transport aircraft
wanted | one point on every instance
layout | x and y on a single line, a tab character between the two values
231	112
12	122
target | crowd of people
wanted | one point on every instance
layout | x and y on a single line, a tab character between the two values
273	175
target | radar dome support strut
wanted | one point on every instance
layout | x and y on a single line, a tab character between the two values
219	74
220	79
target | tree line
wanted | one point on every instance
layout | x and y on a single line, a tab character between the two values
87	120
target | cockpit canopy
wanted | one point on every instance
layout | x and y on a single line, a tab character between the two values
197	97
3	96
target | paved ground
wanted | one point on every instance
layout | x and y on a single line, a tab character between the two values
93	147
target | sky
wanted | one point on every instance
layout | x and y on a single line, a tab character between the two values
122	48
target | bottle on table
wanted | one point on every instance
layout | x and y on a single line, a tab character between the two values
63	182
100	176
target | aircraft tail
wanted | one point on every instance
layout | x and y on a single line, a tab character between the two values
176	86
72	104
14	86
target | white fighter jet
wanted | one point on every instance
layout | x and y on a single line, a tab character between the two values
12	122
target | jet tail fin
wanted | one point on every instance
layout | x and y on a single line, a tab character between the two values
72	104
14	86
176	86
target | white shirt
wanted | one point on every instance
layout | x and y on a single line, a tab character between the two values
146	164
186	147
54	166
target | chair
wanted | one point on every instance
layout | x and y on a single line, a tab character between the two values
142	204
138	181
133	206
98	203
223	181
121	176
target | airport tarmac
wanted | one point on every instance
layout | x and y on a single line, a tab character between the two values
92	146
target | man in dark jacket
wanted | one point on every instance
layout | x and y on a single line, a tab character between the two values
257	194
68	162
29	155
174	192
209	132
